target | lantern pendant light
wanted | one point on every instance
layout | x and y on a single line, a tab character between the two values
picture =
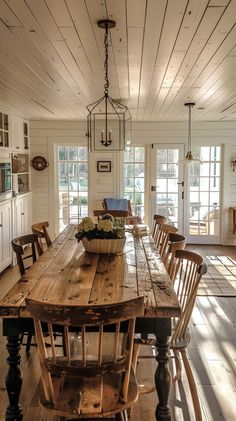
108	121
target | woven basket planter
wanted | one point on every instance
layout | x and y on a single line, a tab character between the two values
104	245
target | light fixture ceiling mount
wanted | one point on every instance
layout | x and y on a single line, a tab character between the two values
189	156
108	121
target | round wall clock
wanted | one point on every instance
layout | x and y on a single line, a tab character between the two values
39	163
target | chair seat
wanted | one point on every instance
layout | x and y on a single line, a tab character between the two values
90	395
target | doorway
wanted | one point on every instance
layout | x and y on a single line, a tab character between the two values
188	195
204	186
167	183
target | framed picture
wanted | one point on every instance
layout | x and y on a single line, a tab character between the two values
103	166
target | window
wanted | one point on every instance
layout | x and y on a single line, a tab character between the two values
134	178
72	184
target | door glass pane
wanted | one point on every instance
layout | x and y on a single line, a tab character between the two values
205	193
167	174
134	160
72	184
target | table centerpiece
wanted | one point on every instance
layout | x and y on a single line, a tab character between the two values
105	236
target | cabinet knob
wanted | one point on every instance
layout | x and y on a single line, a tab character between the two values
22	213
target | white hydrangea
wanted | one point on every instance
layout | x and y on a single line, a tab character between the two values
105	225
87	224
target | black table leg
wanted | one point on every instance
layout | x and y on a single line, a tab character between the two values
13	379
163	379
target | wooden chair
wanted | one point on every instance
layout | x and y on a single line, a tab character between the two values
116	213
30	256
130	218
163	239
189	268
176	242
94	381
32	241
158	220
41	229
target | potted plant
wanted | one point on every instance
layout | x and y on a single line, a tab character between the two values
101	237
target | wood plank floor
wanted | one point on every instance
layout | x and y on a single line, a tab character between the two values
212	353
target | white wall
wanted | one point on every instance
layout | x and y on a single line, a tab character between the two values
44	135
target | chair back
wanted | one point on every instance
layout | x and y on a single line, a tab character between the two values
40	228
158	220
176	242
89	378
115	213
111	204
190	267
32	241
163	239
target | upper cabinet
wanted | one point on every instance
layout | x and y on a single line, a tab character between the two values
4	130
19	133
26	135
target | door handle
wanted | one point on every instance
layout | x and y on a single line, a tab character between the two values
182	183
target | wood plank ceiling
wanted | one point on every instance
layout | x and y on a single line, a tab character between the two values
162	53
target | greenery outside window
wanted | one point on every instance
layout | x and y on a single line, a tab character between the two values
72	165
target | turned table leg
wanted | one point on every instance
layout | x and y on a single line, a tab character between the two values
13	379
163	379
162	375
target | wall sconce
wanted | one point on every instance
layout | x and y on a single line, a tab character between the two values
233	163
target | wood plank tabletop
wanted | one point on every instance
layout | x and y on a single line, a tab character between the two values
65	274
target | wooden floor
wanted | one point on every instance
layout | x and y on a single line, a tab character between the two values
212	353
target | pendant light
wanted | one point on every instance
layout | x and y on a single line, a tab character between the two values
189	156
108	121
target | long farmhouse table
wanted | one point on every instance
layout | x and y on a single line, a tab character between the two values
65	273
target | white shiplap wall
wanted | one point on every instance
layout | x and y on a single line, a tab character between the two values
44	135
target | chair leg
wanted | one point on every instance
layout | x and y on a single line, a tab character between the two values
122	416
28	343
136	349
178	366
192	385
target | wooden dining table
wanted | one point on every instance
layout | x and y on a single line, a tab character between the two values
65	273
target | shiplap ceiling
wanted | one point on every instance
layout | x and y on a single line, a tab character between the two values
162	53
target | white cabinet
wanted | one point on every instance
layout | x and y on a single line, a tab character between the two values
19	133
22	215
4	130
5	234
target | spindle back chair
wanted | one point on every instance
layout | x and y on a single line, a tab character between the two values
91	381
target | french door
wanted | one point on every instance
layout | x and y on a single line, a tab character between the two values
204	188
167	183
188	195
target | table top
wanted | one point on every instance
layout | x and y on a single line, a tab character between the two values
66	274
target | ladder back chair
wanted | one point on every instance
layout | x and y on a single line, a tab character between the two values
158	220
163	239
176	242
25	259
124	204
89	380
116	213
18	244
40	228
